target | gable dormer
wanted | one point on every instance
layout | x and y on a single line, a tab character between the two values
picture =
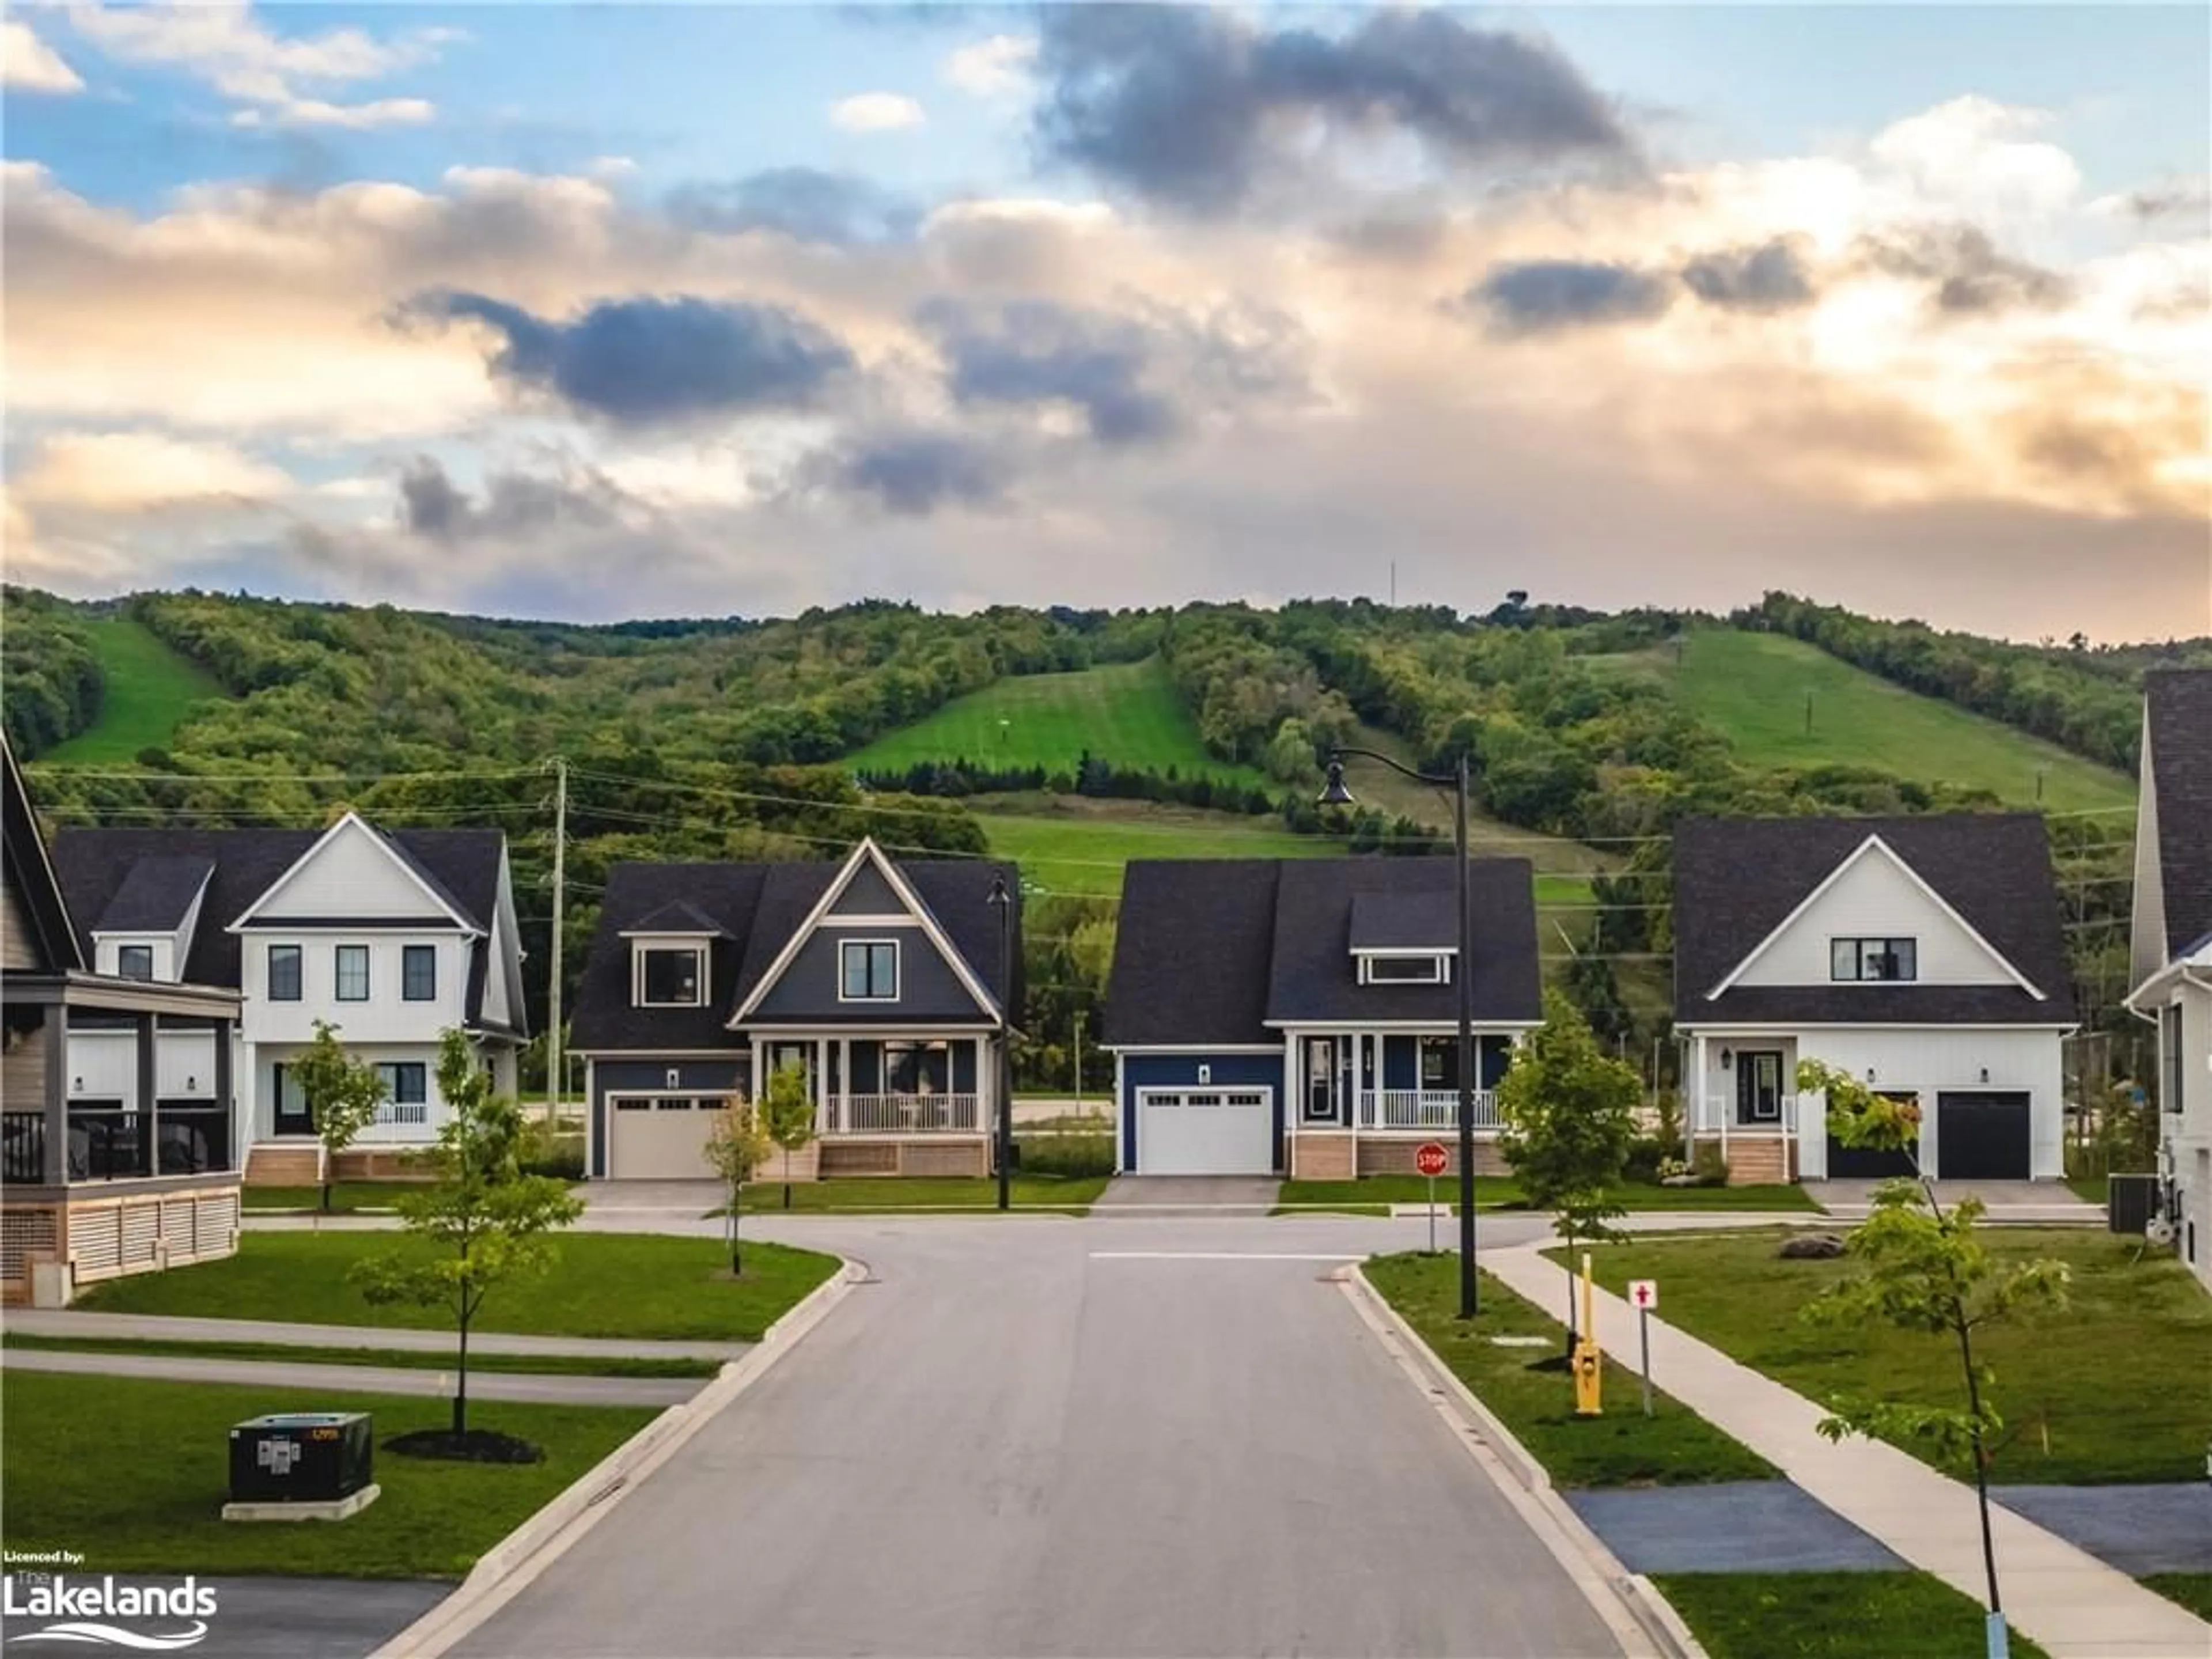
1402	939
671	956
145	931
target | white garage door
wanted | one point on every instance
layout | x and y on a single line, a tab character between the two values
1205	1131
659	1137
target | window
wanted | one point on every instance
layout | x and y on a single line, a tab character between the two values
1402	970
406	1081
283	972
418	973
134	962
867	970
1873	960
1440	1062
2169	1043
917	1068
670	977
352	973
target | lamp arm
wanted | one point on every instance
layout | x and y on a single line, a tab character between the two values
1446	780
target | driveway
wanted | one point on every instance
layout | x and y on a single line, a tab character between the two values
1256	1194
1043	1436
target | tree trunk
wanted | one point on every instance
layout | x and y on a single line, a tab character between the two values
327	1189
461	1390
737	1261
1572	1314
786	1177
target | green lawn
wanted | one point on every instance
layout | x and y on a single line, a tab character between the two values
345	1196
2092	1189
879	1193
1753	687
2192	1589
1126	713
551	1364
1623	1448
1830	1615
1503	1193
605	1285
133	1475
2113	1390
150	692
1079	851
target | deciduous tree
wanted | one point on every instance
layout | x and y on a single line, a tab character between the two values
343	1095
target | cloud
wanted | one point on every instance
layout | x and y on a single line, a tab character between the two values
1972	156
1197	108
877	112
29	64
807	204
1772	277
993	68
221	43
1971	278
2189	200
1541	296
910	472
516	502
640	360
134	472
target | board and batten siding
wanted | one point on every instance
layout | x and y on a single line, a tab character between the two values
1223	1071
1876	899
1929	1062
807	993
719	1075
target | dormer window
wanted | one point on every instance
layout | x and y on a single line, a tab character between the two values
1405	968
134	962
1873	961
670	976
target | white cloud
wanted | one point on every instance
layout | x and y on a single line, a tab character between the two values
29	64
222	43
993	68
135	471
1972	156
877	112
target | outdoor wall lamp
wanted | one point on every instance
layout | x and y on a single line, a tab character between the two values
1985	1074
1727	1059
1869	1074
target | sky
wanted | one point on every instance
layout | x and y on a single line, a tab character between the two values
624	311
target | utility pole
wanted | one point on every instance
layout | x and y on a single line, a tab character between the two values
1079	1059
553	1055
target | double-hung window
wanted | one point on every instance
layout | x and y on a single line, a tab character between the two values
418	973
1873	961
406	1091
352	972
284	973
867	970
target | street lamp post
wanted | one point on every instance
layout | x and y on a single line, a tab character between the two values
1336	795
1002	901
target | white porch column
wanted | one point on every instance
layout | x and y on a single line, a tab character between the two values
1694	1086
838	1112
987	1107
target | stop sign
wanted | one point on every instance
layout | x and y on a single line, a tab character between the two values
1431	1159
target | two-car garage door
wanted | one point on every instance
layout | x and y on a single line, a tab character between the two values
659	1136
1205	1131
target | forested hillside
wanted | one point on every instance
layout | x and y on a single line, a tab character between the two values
743	738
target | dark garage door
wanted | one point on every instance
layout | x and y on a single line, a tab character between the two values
1865	1163
1982	1137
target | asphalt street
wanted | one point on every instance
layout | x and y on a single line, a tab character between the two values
1038	1437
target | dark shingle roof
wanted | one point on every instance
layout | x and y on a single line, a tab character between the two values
2178	705
95	865
1210	950
677	916
155	897
1383	921
1737	879
756	908
30	875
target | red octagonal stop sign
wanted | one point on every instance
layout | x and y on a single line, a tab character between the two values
1431	1159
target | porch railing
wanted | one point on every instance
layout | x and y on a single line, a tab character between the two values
23	1147
1423	1108
902	1115
1718	1110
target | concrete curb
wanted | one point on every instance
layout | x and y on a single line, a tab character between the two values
1628	1603
509	1566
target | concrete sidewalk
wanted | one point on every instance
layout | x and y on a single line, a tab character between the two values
2073	1604
364	1379
150	1328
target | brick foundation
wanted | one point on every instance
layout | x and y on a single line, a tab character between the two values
1323	1157
380	1164
285	1166
840	1156
1395	1155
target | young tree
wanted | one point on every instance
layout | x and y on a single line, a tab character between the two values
1925	1271
786	1113
1569	1115
736	1148
341	1093
485	1220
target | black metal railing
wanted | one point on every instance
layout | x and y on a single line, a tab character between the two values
23	1147
195	1138
108	1144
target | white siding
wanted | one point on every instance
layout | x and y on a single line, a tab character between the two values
184	1065
103	1066
386	1017
1876	899
1927	1062
267	1058
107	950
351	872
2188	1133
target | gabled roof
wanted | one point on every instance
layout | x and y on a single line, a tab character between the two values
95	864
423	875
678	918
156	895
756	909
1736	880
1227	950
31	876
2178	725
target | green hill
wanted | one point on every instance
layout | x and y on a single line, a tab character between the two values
1076	847
150	691
1125	713
1756	689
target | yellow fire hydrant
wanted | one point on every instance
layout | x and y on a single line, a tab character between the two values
1588	1363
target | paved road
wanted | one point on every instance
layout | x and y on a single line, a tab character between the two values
1026	1437
366	1379
304	1618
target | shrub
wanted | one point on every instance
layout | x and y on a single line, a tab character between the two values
1065	1154
1645	1154
1712	1169
556	1152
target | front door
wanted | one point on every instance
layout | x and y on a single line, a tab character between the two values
1759	1089
292	1117
1321	1081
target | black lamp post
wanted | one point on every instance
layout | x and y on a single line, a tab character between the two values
1463	977
1003	902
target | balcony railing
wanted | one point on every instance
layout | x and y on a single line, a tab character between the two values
1718	1110
194	1140
901	1114
23	1147
109	1143
1423	1108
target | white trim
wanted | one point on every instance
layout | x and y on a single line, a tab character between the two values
699	954
384	845
883	1030
1120	1114
868	851
670	932
1729	1027
850	919
590	1054
1439	1027
898	967
1438	961
1192	1048
1912	875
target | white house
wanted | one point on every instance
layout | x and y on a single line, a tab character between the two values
2172	958
1925	955
391	937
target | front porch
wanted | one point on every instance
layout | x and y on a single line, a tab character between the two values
1742	1101
1365	1101
890	1104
